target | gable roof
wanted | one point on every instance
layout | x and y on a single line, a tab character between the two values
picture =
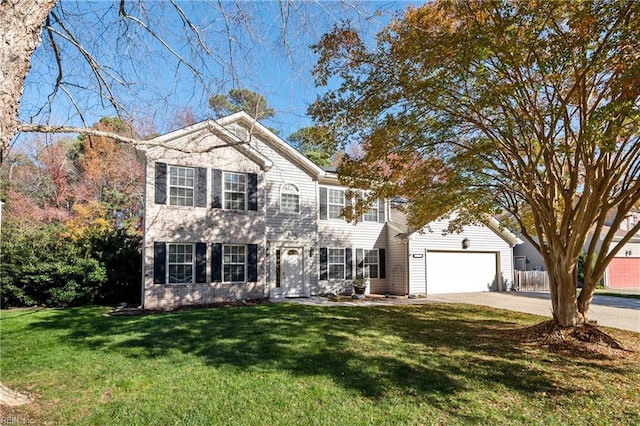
279	145
179	139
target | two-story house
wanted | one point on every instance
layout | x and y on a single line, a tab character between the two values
233	212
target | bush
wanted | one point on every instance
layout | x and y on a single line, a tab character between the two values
43	267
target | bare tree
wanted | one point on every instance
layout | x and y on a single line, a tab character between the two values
104	56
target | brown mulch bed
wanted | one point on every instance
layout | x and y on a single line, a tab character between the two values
585	340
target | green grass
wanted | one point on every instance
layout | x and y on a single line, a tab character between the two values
284	364
614	294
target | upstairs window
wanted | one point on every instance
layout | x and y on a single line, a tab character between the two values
235	191
335	203
372	214
289	199
181	186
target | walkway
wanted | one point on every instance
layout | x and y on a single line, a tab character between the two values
608	311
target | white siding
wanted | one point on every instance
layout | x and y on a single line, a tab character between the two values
289	230
397	261
338	233
481	238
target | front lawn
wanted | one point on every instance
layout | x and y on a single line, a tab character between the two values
284	364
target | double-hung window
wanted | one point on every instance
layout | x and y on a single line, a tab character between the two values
372	214
181	186
335	203
235	191
289	199
234	262
371	264
180	262
336	263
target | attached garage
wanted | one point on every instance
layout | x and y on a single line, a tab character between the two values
461	272
478	259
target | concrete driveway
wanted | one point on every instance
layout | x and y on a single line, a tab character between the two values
608	311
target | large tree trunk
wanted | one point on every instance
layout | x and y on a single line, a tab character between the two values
562	282
21	23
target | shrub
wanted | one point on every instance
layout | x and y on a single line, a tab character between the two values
40	266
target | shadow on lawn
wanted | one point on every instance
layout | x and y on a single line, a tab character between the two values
430	352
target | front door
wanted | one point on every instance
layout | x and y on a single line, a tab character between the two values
292	272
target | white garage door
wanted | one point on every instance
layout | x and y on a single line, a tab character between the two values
460	272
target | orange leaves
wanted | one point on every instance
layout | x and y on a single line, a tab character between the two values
87	217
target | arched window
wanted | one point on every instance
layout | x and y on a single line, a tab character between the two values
289	198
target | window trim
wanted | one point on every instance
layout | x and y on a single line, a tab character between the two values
170	264
283	191
170	185
330	263
244	263
225	191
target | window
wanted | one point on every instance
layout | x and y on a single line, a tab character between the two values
372	214
336	263
233	263
335	203
181	186
278	269
370	264
235	191
181	259
289	199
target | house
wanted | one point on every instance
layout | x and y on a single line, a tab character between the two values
622	272
233	212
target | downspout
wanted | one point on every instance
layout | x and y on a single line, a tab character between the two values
144	234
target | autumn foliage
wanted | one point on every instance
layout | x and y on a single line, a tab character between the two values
73	211
524	108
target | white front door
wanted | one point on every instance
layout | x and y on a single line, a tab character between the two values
292	272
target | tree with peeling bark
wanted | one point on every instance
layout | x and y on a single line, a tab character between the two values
527	107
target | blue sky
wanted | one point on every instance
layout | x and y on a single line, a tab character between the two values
249	46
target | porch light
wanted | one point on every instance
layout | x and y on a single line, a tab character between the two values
466	243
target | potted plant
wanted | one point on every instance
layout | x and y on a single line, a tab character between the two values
360	284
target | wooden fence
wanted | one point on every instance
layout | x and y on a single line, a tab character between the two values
531	281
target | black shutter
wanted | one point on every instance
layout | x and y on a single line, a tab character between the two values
348	267
383	264
252	191
252	263
359	262
159	262
323	263
201	187
161	183
201	262
216	189
381	213
323	203
216	262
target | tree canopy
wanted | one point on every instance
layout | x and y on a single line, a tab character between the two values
525	107
314	143
245	100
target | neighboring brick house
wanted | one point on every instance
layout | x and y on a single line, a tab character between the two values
233	212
